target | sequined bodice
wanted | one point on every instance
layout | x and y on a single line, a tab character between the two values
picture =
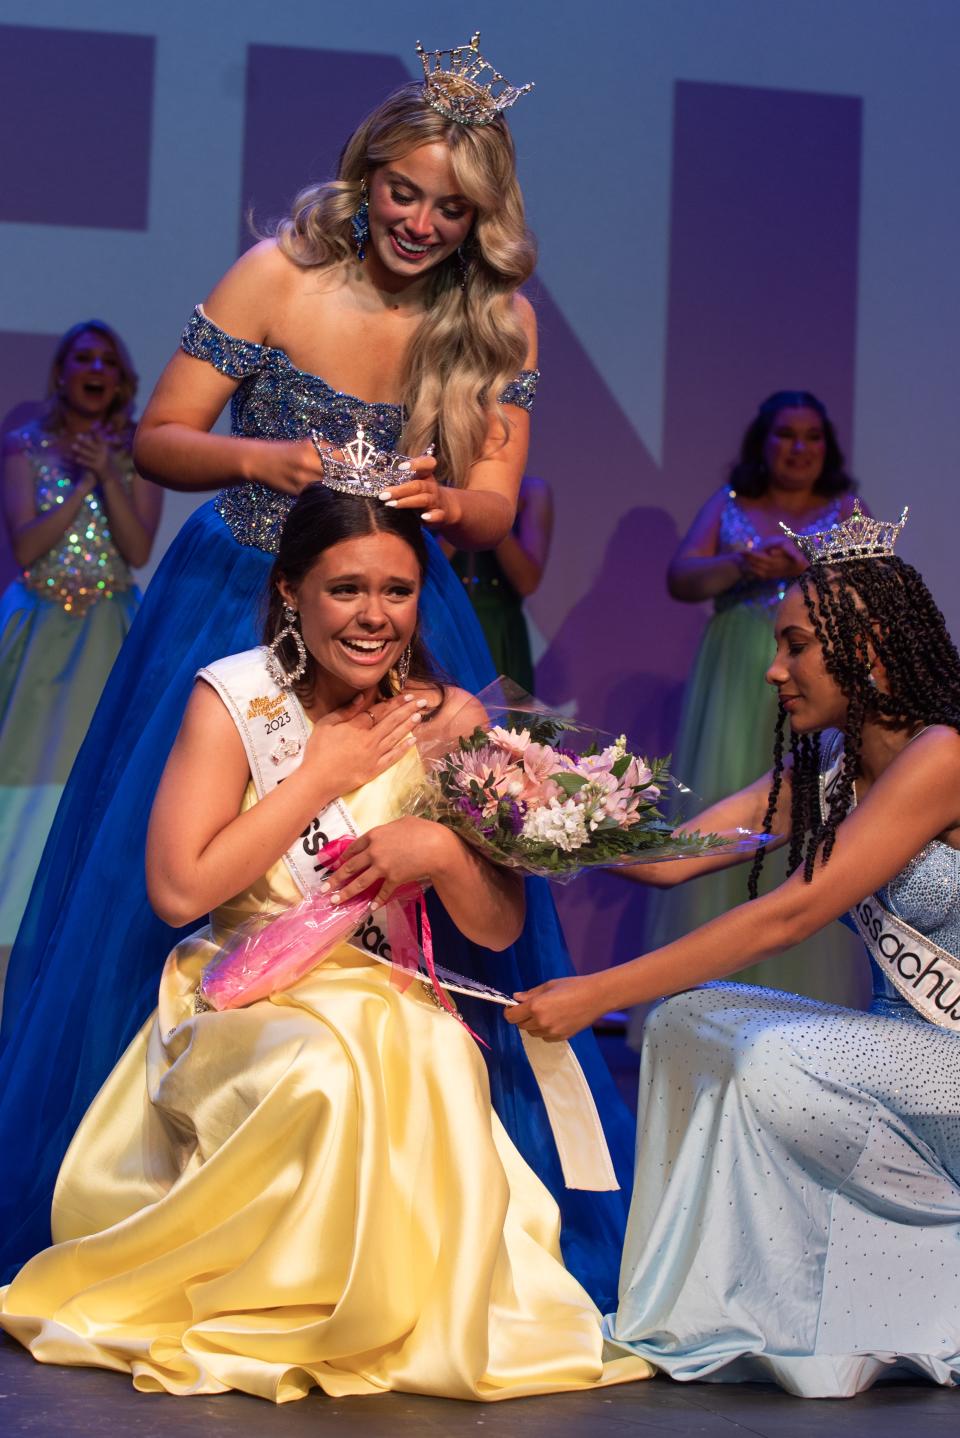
925	894
737	533
275	400
84	564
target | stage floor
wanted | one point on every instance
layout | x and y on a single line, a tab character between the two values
37	1401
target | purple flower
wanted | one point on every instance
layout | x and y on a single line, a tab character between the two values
467	806
513	814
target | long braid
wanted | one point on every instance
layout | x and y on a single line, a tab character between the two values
880	605
775	787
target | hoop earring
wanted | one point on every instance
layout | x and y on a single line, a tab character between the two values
400	673
361	223
286	678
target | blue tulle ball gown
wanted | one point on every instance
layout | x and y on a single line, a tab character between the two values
84	971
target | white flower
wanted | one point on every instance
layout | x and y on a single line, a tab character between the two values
561	824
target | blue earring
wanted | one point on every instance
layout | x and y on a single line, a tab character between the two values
361	224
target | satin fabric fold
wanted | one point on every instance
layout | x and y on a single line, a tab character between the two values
312	1190
83	973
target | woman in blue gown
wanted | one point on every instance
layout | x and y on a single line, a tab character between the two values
796	1209
388	302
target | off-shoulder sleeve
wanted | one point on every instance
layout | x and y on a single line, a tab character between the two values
207	341
522	390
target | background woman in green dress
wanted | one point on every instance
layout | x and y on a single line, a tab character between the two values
790	468
79	516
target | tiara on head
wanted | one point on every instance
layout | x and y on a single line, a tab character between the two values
465	89
359	468
858	537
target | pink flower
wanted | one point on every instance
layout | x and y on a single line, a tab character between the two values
497	772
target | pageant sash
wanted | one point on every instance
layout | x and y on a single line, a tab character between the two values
274	730
922	972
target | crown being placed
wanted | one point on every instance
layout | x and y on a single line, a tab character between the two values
359	468
465	89
858	537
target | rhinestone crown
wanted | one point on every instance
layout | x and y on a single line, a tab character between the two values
858	537
359	468
463	86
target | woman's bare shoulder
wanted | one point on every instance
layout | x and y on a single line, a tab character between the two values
244	301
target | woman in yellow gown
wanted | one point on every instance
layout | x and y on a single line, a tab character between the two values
313	1189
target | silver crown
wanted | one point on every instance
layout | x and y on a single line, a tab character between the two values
858	537
465	89
359	468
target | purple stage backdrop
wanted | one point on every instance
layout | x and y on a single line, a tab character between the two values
762	294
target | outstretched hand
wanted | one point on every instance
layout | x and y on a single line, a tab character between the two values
559	1008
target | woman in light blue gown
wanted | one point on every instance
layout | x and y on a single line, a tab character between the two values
796	1208
388	302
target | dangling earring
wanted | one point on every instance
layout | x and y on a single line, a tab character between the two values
400	674
361	223
463	267
286	678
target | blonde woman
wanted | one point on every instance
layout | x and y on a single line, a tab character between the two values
389	301
79	516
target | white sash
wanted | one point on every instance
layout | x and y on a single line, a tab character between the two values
274	731
923	973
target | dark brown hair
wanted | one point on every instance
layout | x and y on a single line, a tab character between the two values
319	519
749	476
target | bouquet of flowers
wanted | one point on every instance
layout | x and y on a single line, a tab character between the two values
522	795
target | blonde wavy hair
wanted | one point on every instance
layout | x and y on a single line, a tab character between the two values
470	344
118	421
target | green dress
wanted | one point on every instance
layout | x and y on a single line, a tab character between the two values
725	742
499	609
61	626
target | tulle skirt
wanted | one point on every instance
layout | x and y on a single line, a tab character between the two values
84	970
726	742
53	666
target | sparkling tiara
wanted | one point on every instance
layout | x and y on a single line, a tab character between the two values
359	468
463	86
858	537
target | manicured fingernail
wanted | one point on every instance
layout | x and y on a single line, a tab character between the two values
325	887
405	466
384	494
334	898
421	703
416	719
390	504
411	739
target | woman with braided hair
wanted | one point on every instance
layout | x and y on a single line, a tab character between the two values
796	1207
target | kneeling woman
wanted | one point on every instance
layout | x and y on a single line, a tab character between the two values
314	1189
796	1209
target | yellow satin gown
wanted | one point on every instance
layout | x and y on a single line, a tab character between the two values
313	1190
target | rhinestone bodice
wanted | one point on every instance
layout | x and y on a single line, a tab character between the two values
737	533
925	894
275	400
84	565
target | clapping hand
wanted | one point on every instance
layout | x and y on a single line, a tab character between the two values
778	559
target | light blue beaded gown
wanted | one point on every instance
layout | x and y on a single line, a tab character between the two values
796	1206
84	971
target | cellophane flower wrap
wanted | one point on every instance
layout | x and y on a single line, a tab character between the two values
537	791
270	954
